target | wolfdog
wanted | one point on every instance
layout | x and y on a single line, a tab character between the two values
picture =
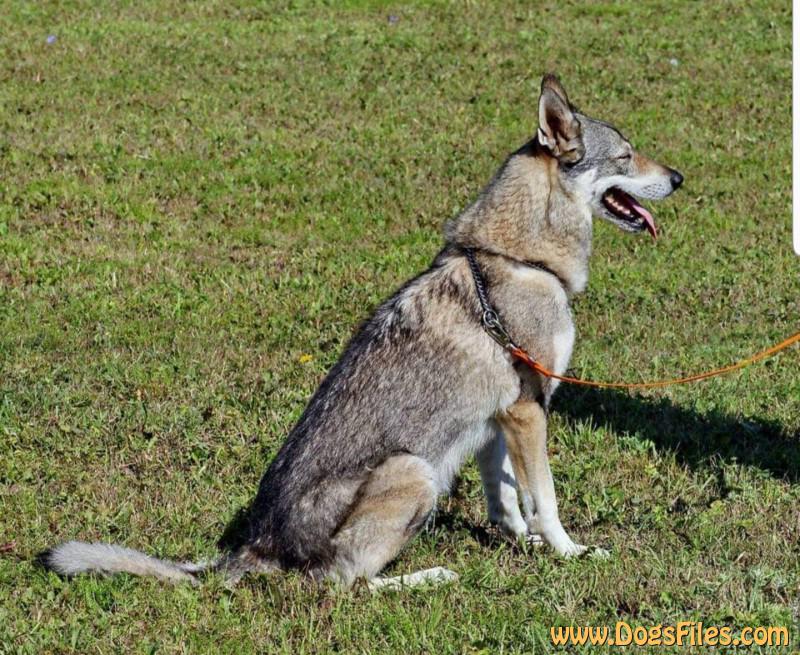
422	386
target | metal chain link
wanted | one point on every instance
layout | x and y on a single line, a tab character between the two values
489	318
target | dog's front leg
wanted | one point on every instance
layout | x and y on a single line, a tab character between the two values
525	428
500	487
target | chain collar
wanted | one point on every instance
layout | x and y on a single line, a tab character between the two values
489	317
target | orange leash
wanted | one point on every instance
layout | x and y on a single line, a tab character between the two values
524	357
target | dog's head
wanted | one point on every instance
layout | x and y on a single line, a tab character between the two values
599	163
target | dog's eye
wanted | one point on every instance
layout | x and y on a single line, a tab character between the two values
624	157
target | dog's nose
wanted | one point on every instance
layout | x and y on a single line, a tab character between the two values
675	178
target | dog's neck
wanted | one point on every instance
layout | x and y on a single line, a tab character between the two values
525	213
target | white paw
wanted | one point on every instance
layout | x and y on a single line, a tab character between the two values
515	529
560	541
570	549
555	535
435	576
438	575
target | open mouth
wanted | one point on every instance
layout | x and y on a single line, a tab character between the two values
624	207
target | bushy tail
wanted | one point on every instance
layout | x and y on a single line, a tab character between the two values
75	557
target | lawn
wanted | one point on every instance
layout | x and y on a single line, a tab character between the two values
200	202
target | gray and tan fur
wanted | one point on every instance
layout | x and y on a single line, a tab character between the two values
422	387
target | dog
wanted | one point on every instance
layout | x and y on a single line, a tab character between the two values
422	386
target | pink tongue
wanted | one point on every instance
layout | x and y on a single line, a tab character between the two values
646	215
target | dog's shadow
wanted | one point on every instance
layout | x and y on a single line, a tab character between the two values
698	440
236	531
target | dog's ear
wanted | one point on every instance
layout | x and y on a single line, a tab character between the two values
559	129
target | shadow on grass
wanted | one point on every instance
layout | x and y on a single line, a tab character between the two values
236	531
698	440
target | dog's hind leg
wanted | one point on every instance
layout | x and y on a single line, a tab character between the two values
391	507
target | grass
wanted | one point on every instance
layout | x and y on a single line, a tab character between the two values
198	204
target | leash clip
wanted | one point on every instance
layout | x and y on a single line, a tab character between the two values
495	329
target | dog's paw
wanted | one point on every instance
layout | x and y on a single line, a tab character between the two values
516	530
435	576
577	550
562	544
558	539
571	549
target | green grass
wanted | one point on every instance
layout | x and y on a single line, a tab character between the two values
193	197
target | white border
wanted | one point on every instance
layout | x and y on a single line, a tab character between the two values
795	123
